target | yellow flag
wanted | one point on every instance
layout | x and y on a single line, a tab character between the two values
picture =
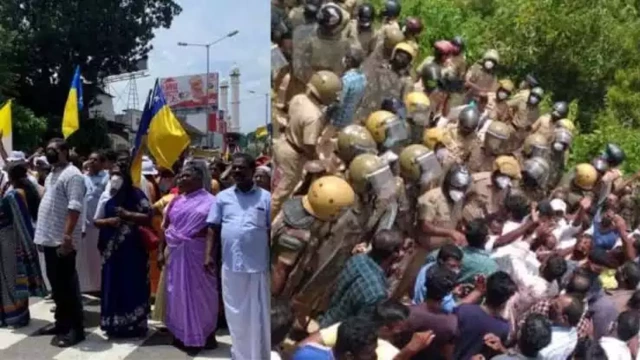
5	120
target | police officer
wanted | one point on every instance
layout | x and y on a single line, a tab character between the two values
496	141
430	84
463	134
418	114
546	123
436	139
354	140
525	112
420	169
490	188
388	130
390	13
327	46
584	180
389	79
366	14
458	57
412	29
377	191
481	79
499	107
303	219
558	155
306	122
535	174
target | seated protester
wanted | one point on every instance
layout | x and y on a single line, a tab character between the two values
450	257
362	283
475	259
281	323
429	315
476	321
623	343
564	314
357	339
391	319
535	336
628	278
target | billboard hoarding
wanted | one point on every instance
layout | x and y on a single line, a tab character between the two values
188	92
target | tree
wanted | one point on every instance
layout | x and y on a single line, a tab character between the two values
103	37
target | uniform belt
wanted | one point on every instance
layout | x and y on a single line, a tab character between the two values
295	147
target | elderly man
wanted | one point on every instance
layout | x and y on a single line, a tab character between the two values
240	221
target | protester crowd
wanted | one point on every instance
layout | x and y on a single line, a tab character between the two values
191	240
423	207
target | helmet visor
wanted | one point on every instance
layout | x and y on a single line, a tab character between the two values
383	183
396	133
539	151
493	143
430	167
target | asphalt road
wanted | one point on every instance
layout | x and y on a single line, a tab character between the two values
19	344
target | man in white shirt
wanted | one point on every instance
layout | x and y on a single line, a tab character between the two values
623	343
57	231
565	313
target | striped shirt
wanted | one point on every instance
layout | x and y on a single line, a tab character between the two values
353	85
64	190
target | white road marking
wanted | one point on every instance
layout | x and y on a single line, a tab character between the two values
39	311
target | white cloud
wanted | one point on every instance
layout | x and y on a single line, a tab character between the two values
203	21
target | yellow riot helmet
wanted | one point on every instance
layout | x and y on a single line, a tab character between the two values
405	47
328	197
508	165
386	128
326	86
354	140
586	176
535	145
506	85
416	101
370	172
418	163
433	137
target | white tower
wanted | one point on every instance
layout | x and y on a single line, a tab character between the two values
234	125
224	98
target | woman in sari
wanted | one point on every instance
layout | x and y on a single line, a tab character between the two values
125	270
191	291
20	274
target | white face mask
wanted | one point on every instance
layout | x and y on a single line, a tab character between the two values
116	182
488	64
557	146
456	195
502	95
533	100
441	154
503	181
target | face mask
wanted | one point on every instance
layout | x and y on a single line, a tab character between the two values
456	195
503	181
52	156
558	146
488	65
533	100
502	95
441	154
116	182
344	63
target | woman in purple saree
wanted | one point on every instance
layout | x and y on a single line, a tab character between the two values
191	292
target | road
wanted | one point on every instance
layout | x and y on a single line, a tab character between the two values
19	344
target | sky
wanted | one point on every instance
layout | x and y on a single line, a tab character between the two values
204	21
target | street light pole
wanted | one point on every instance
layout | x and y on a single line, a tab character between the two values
208	48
